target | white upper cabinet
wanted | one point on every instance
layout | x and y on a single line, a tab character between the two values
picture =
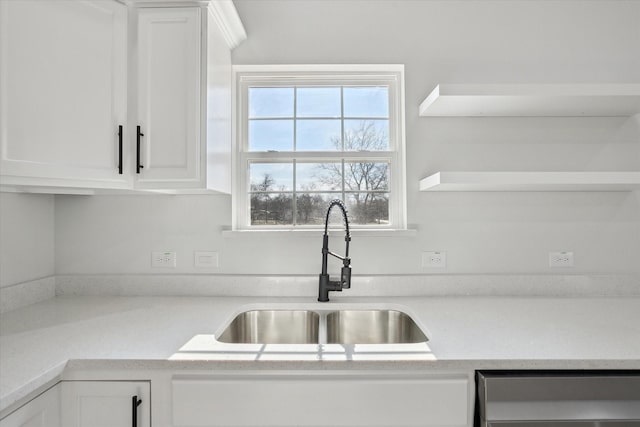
74	72
63	92
182	101
169	97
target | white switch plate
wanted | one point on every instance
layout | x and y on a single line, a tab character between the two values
434	259
560	259
163	259
202	259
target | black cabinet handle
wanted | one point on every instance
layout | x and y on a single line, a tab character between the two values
120	149
134	410
138	165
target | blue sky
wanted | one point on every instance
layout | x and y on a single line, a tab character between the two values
318	125
312	104
359	101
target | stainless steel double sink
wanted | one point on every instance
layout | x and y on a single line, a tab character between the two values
317	327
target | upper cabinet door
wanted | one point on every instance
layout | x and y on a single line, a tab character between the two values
169	97
63	92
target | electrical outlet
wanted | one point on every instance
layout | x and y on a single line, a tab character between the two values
203	259
560	259
434	259
163	259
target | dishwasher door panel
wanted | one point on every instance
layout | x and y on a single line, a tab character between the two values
564	424
558	399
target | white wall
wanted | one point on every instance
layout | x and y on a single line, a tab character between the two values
26	237
438	41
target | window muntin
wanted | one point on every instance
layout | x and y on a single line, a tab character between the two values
305	141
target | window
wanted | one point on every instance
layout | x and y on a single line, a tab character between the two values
305	137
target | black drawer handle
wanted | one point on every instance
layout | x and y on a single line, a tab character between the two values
120	149
135	402
138	164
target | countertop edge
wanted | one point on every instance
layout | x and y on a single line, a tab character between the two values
32	388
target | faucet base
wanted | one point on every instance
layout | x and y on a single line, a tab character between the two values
325	286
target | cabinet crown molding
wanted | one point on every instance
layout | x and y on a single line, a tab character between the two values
223	12
228	20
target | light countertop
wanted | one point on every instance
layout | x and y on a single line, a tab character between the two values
37	342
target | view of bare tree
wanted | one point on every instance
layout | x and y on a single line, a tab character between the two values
265	185
367	183
366	186
270	208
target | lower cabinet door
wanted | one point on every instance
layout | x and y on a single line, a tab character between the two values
43	411
327	399
106	403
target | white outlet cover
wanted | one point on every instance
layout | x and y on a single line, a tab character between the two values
204	259
163	259
560	259
434	259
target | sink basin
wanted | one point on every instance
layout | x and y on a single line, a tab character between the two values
273	327
372	327
322	326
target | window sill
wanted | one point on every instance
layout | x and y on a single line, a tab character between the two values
314	233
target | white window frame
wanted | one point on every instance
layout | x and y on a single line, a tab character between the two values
245	76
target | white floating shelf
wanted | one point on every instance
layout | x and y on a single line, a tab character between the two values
541	100
531	181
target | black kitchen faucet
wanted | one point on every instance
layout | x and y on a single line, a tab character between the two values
326	285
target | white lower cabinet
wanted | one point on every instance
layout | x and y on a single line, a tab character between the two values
43	411
257	398
105	403
322	399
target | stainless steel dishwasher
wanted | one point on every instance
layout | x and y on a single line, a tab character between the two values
558	399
